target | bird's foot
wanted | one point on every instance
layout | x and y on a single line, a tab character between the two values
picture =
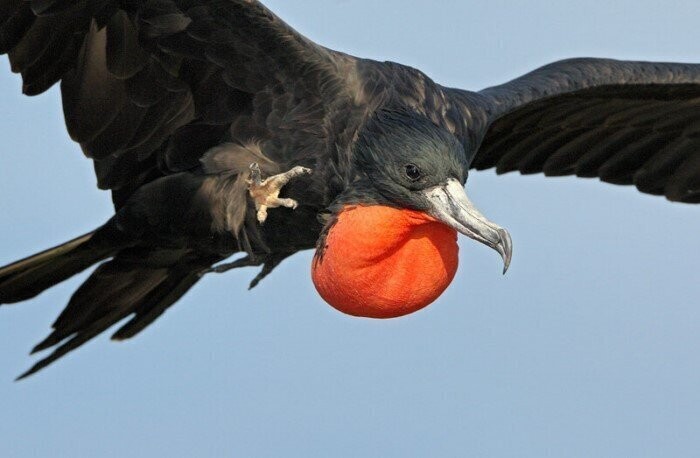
268	261
246	261
265	193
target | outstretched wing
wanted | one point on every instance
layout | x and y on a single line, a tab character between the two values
149	86
625	122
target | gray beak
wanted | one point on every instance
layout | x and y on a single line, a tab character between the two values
449	204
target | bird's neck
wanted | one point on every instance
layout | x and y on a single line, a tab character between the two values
383	262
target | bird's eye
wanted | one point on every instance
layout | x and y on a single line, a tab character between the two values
412	172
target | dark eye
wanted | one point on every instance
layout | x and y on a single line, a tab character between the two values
412	172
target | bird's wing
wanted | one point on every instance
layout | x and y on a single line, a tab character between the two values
625	122
149	86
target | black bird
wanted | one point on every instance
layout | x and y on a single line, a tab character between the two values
197	114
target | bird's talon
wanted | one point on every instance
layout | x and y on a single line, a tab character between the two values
265	192
262	214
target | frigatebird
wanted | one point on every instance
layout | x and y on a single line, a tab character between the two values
199	115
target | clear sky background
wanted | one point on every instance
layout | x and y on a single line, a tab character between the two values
589	346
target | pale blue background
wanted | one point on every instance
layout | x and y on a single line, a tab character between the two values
589	346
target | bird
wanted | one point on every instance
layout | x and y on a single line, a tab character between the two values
218	130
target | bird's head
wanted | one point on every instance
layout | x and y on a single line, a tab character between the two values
391	249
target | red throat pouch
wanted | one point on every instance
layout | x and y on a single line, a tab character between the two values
383	262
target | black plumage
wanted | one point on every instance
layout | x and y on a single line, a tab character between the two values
173	99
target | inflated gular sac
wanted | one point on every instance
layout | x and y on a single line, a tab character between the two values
383	262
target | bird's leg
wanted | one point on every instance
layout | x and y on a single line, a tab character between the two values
265	193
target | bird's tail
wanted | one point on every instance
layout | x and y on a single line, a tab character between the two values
136	283
30	276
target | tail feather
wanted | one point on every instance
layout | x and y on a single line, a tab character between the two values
109	288
30	276
156	304
119	288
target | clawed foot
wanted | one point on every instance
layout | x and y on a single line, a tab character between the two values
268	261
265	193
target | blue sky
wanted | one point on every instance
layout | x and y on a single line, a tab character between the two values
589	346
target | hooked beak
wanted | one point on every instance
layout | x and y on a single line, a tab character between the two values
450	205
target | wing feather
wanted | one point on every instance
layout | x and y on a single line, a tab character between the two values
149	88
135	75
623	122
